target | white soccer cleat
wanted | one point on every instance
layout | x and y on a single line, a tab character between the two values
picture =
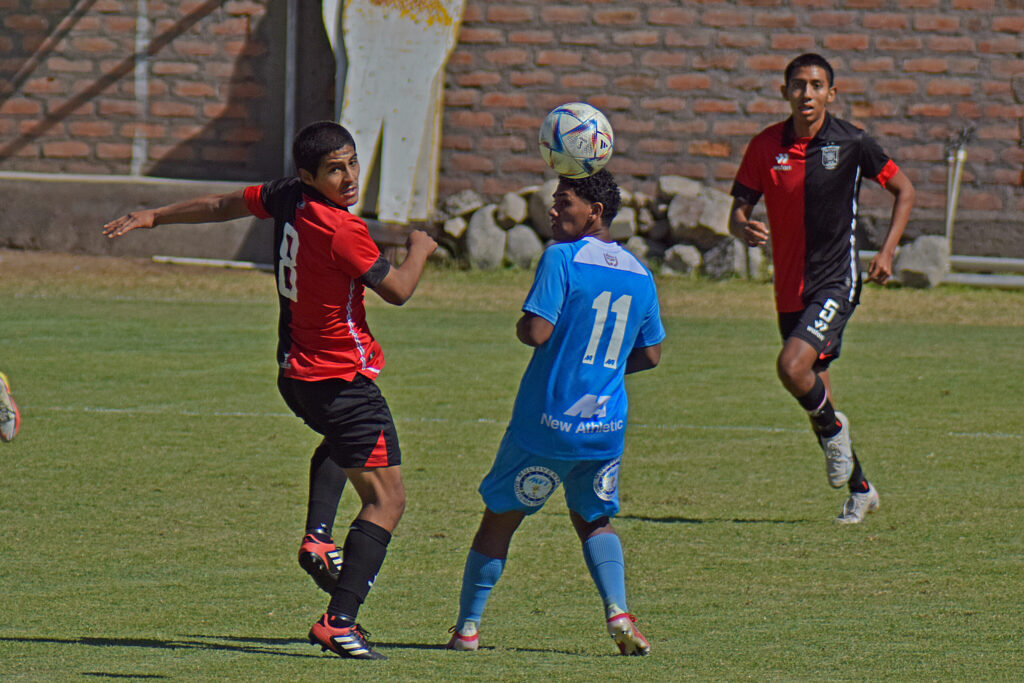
858	506
10	418
622	628
838	454
465	639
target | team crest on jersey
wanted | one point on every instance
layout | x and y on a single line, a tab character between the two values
533	485
830	156
607	480
611	259
782	162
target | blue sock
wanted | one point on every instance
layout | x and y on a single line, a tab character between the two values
478	578
603	555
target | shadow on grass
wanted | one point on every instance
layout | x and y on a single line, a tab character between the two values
690	520
263	646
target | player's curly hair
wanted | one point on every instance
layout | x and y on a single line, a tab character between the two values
316	140
600	187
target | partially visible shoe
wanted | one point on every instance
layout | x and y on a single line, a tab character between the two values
466	638
321	560
858	506
347	642
838	453
622	628
10	418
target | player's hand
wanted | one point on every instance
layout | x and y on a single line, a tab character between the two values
755	233
420	240
129	222
880	269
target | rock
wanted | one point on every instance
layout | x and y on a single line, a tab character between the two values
670	186
541	202
642	201
485	241
922	263
512	209
462	203
626	198
755	263
441	255
455	226
683	214
702	221
725	259
683	259
717	209
644	220
522	246
624	224
644	249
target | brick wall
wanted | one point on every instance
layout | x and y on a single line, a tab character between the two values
686	84
202	105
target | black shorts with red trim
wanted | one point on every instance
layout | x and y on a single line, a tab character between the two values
352	416
820	324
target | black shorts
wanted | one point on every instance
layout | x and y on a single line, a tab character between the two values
821	325
352	416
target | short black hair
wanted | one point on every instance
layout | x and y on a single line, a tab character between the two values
810	59
316	140
600	188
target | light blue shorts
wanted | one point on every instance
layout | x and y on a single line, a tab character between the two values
522	481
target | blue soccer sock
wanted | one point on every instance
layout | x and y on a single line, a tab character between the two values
478	578
603	555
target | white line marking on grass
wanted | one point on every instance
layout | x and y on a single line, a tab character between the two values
479	420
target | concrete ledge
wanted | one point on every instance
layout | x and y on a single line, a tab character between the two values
66	213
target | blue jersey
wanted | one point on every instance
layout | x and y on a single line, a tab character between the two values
603	303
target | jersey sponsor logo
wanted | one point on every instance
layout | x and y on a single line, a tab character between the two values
611	259
607	480
830	156
824	319
782	162
534	485
589	406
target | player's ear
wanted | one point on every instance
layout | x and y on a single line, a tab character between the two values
784	91
597	212
306	177
831	94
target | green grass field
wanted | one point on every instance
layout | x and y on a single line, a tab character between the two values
152	505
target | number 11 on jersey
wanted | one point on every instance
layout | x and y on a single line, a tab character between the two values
601	307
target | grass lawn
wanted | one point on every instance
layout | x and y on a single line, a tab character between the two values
152	505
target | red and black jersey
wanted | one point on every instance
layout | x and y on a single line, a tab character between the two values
810	187
323	256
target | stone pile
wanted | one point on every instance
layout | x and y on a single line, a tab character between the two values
683	229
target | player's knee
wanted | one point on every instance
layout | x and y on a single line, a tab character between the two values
790	367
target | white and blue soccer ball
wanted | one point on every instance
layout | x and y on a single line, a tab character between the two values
576	140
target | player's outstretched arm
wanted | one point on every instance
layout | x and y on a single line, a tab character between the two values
207	209
902	191
754	233
400	282
643	358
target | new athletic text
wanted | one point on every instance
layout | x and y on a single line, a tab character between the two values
567	426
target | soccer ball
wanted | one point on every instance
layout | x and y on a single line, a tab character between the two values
576	140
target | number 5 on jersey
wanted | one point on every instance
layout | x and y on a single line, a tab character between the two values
621	310
287	276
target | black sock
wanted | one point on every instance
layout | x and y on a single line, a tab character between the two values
364	551
326	482
858	482
820	410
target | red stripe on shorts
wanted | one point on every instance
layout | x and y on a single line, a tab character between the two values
379	456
